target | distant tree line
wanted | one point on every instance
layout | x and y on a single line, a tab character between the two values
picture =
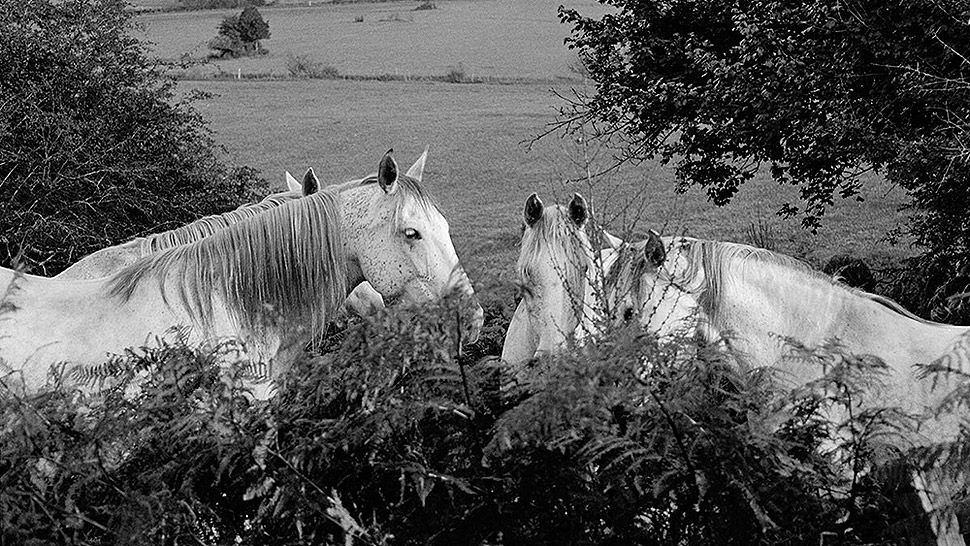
219	4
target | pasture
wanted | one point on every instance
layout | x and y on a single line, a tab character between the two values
483	161
483	164
497	39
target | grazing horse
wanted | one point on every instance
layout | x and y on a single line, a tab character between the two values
272	281
558	272
753	300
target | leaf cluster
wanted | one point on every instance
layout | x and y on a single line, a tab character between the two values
240	34
95	145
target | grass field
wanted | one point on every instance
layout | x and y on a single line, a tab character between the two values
481	164
492	38
482	169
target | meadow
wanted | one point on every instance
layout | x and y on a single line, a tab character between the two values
498	39
484	160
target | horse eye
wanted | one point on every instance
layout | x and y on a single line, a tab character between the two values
628	314
412	234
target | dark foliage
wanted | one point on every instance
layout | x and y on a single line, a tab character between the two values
94	147
387	438
852	271
240	34
218	4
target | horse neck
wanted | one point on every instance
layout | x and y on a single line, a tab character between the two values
207	225
287	260
770	300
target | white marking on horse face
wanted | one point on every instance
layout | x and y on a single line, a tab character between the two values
558	289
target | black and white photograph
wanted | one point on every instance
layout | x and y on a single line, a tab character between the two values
485	272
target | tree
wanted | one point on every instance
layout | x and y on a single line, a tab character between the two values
819	91
94	146
240	34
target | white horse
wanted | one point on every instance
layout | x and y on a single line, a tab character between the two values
559	274
754	300
363	299
272	280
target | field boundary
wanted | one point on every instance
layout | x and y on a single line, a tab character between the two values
189	76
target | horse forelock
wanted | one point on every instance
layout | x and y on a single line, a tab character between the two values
286	262
208	225
556	235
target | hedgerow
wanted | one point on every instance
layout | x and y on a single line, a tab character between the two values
387	436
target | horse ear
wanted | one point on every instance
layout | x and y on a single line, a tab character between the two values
417	169
654	249
533	209
310	182
578	210
291	183
612	241
387	173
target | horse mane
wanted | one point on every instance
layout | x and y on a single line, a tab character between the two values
208	225
894	306
719	261
553	230
286	261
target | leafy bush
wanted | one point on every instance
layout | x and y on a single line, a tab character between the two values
303	66
456	74
388	438
239	35
94	146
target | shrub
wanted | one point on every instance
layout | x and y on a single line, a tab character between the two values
302	66
94	146
456	74
240	35
396	18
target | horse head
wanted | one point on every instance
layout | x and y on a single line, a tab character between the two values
396	234
555	262
646	284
